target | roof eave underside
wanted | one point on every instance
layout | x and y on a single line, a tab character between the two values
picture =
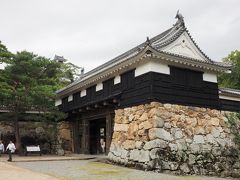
168	57
229	92
160	41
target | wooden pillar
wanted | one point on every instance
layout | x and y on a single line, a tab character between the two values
76	136
72	135
109	130
85	137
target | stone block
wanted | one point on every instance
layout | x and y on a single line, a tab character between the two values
157	122
181	144
164	115
63	125
194	148
177	133
39	130
173	166
121	127
132	130
165	165
145	125
139	144
191	121
144	117
200	130
173	147
134	154
221	142
154	144
142	132
144	156
154	153
188	140
65	134
131	117
215	132
156	104
152	112
160	133
236	165
167	106
191	159
129	144
214	121
184	168
167	125
210	139
198	139
118	119
124	153
206	148
216	151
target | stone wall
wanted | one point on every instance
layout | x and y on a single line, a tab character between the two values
64	138
175	139
31	133
53	138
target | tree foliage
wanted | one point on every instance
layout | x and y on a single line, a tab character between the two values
5	55
28	83
231	80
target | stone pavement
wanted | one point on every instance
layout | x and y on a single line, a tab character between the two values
36	157
77	167
11	172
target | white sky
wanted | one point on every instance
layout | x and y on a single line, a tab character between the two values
91	32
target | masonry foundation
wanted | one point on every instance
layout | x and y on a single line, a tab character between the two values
175	139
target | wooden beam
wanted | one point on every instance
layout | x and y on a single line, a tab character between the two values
74	112
115	101
88	108
97	106
109	130
105	103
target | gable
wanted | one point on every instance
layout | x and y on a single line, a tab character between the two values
184	46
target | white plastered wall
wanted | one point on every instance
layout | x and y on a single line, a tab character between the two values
210	77
152	66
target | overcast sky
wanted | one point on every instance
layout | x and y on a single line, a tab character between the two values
91	32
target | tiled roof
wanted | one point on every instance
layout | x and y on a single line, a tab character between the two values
228	91
157	43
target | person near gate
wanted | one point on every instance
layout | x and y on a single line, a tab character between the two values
102	143
1	148
10	149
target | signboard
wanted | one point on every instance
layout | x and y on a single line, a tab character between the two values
33	148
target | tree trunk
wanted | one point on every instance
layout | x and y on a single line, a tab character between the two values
17	135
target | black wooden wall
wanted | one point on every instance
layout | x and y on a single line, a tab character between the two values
185	87
229	105
182	86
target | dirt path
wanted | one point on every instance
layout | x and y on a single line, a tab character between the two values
95	170
11	172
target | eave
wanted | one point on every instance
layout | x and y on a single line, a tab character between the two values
229	92
148	53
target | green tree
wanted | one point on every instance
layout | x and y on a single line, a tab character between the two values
231	80
5	55
28	82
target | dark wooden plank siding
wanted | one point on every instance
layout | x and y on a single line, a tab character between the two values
185	87
139	90
182	86
229	105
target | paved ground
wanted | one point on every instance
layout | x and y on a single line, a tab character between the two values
71	168
11	172
35	157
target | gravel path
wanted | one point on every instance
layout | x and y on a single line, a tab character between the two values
10	172
94	170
